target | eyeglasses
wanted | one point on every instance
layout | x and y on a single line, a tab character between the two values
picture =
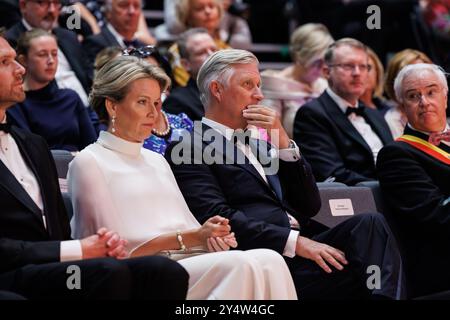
414	97
350	67
45	4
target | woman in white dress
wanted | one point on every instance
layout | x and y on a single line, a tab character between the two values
117	184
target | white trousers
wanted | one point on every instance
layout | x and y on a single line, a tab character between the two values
259	274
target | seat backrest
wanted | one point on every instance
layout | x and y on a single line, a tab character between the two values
341	203
68	204
330	185
374	186
62	159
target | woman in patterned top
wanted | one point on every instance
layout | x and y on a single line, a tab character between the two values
168	126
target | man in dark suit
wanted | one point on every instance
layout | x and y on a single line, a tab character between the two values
414	174
268	193
123	19
195	46
37	256
73	71
340	137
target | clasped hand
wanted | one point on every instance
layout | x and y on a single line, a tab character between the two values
216	233
105	243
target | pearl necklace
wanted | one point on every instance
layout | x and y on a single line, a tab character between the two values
164	132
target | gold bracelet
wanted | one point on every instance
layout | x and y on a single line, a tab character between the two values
180	241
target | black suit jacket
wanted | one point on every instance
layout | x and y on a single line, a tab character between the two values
69	45
239	193
331	143
416	187
95	43
185	99
23	237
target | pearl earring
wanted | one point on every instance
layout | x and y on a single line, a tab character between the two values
113	120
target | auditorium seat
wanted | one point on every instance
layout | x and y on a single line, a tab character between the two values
62	159
374	186
68	204
341	202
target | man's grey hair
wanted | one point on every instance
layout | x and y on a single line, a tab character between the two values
107	5
183	39
418	70
350	42
218	67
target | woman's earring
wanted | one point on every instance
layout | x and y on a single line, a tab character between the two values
113	121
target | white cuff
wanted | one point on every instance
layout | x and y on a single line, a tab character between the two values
71	250
290	154
291	244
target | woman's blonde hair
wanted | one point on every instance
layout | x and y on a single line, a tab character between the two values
379	69
183	11
308	42
113	80
397	62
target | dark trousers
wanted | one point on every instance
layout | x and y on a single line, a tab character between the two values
106	278
366	241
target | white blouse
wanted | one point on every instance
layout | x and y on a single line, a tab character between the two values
119	185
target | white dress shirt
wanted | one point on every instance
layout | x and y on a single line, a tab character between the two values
11	157
365	130
65	77
289	155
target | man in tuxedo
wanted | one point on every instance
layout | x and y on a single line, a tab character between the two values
340	137
36	252
195	46
123	19
72	72
268	192
414	173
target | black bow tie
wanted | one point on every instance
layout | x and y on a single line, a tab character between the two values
358	111
131	43
5	127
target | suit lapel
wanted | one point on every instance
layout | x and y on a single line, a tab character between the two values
231	154
109	37
341	120
11	184
381	130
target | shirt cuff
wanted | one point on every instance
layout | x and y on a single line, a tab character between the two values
290	154
291	244
71	250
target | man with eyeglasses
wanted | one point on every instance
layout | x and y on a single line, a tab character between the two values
122	24
195	46
72	72
414	173
338	136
